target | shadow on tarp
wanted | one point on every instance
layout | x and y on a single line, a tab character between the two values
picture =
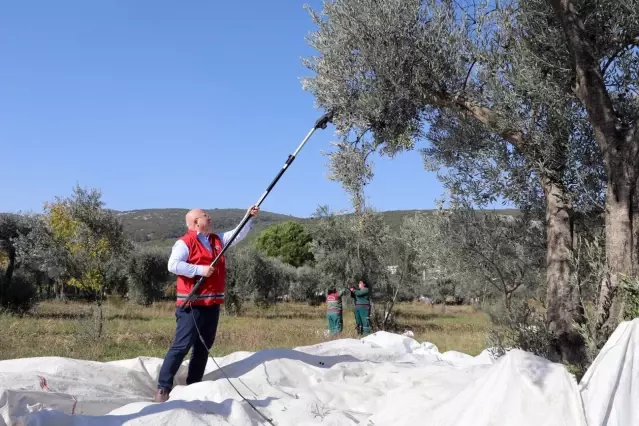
223	409
239	368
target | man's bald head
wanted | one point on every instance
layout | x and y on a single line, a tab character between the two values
198	220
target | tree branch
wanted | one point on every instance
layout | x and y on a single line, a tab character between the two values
585	191
615	56
514	287
491	262
468	74
590	86
370	151
484	115
359	138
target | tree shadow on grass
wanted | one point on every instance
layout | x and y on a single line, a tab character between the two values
422	316
285	315
61	315
85	315
129	317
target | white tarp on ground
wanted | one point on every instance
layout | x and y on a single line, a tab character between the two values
383	379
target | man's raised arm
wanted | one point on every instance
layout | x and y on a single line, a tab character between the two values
226	236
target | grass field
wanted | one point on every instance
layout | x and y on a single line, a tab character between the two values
69	329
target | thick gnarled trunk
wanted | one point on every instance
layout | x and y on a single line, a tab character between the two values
621	256
563	307
619	145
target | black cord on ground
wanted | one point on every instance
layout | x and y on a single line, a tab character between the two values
208	350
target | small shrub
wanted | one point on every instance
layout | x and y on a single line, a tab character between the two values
590	272
234	280
520	327
92	328
384	320
232	304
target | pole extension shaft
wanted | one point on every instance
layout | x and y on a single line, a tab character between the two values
321	123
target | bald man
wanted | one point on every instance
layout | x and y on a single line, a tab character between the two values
190	259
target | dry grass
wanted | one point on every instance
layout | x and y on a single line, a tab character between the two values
68	329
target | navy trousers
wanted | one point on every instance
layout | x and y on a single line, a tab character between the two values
186	337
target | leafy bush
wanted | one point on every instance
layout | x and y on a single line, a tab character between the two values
288	241
590	270
233	297
630	289
252	275
147	276
307	283
20	293
116	277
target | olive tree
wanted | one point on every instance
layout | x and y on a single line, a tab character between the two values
361	246
503	252
38	251
390	67
90	237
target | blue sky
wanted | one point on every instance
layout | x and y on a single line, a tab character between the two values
171	104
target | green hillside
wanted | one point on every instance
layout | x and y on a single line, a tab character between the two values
160	227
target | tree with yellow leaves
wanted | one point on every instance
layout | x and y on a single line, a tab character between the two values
91	236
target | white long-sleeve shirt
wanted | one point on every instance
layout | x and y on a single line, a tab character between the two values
180	252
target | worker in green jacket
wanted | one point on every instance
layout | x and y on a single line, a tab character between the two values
334	310
362	308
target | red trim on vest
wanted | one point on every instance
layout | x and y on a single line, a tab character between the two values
211	292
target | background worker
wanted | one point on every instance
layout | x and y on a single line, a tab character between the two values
362	308
334	310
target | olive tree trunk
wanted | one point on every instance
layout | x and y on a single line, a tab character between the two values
562	302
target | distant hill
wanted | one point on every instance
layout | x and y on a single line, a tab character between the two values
160	227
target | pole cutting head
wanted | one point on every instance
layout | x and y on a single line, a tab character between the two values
324	120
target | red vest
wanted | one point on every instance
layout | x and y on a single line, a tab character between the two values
211	291
334	302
